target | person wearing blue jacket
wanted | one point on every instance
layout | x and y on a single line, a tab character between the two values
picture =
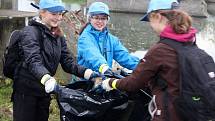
97	47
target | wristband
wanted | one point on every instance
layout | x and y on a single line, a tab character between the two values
102	67
45	78
114	84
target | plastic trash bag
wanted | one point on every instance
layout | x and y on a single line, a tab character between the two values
137	109
139	102
81	102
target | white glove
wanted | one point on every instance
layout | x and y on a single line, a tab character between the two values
105	85
50	85
87	74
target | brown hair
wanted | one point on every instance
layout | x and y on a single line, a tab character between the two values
56	31
179	20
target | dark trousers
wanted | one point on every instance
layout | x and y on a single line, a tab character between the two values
30	108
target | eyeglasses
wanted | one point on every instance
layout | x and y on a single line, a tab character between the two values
99	18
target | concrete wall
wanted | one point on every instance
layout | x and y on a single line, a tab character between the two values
193	7
125	5
210	1
211	6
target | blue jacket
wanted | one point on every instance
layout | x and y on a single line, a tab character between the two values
96	48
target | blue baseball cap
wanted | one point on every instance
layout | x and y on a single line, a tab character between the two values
160	5
53	6
98	8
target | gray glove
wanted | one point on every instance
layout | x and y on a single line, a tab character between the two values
105	85
49	83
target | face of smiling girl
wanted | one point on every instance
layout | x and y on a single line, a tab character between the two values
99	22
51	19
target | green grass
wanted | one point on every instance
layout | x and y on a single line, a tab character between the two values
54	111
6	105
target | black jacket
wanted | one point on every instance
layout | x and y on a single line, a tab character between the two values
42	53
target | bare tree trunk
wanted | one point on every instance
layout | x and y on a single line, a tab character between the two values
36	1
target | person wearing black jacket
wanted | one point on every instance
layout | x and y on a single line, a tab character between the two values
44	48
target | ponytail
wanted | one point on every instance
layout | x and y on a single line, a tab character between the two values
180	21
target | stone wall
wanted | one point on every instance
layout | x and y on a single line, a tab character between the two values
213	1
193	7
211	6
137	6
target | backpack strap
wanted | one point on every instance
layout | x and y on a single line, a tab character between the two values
160	82
178	46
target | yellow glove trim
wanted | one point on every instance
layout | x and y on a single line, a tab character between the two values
45	78
114	84
101	67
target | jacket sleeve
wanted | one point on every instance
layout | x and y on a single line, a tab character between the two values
122	56
32	52
144	72
90	52
68	61
140	77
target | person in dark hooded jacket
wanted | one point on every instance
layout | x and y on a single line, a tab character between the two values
161	59
44	48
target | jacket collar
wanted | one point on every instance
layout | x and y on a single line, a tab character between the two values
92	30
187	37
36	21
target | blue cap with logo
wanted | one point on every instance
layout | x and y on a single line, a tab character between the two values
53	6
98	8
160	5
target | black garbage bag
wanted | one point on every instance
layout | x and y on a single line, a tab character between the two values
140	101
80	102
137	109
